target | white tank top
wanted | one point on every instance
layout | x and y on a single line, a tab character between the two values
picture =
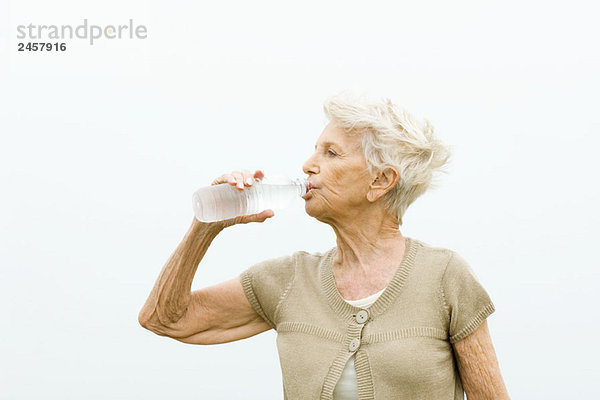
347	387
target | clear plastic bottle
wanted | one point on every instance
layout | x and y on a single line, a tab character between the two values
224	201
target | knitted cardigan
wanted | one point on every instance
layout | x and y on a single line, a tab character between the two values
402	342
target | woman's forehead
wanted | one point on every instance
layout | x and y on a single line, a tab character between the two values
334	135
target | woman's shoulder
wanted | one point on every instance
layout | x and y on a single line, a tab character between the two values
431	249
294	258
314	254
436	256
313	258
448	260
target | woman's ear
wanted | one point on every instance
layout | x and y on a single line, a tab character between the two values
383	183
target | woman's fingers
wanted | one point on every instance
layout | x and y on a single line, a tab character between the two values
260	217
258	174
248	177
263	215
225	178
240	179
220	179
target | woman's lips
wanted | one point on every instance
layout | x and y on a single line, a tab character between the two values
311	188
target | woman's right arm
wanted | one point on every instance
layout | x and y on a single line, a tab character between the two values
215	314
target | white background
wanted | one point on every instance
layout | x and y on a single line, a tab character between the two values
102	147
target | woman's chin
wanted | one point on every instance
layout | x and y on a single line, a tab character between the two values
311	209
315	211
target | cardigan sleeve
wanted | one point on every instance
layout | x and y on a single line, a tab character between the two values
466	300
266	284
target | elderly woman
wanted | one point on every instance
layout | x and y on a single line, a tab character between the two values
378	316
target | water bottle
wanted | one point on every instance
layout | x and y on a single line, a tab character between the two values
224	201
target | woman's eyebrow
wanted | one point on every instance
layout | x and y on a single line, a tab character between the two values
325	144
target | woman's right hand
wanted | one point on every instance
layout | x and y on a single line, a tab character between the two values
242	180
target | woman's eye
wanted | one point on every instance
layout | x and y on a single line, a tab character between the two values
331	153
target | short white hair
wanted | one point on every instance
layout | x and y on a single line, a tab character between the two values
391	137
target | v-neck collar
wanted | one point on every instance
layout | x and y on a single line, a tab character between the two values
347	310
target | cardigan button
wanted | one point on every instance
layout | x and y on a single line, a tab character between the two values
354	344
362	316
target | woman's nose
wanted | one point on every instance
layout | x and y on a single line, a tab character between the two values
309	166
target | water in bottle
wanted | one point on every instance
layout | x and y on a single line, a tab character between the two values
224	201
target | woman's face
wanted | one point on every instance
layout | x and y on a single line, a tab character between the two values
338	174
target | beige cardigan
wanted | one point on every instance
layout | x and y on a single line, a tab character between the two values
402	343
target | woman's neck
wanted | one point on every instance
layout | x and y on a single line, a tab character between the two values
368	245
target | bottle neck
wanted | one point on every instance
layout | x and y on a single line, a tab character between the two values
302	185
